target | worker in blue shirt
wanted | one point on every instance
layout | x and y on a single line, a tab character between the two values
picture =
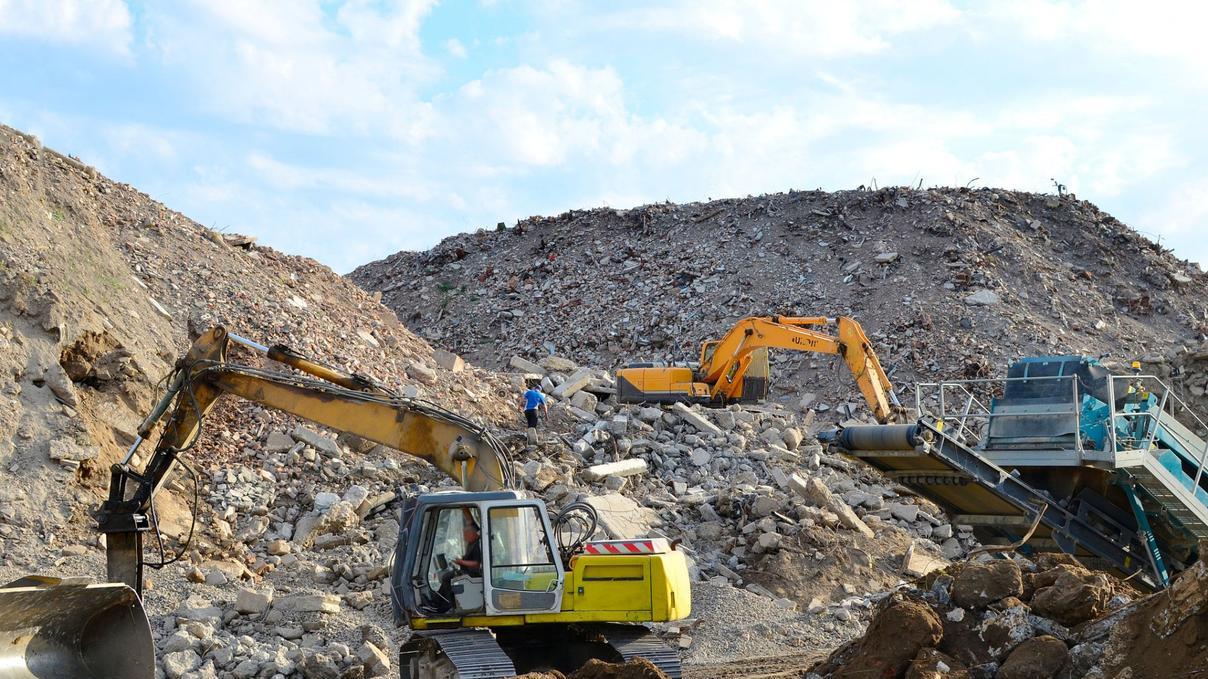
533	399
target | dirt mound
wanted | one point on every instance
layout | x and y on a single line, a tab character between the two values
638	668
1166	635
1123	634
938	277
901	629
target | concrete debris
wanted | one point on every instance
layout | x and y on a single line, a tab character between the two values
286	576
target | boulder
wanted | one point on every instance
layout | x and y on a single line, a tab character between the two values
979	584
1073	597
900	630
448	360
1037	658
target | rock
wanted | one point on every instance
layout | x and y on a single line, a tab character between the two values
905	512
315	665
1003	632
526	366
216	579
695	419
375	661
67	451
250	601
421	373
319	442
448	360
585	400
898	632
1037	658
930	663
792	438
885	257
982	297
178	664
61	386
631	467
916	563
1074	597
278	442
848	518
180	640
812	489
979	584
303	603
325	501
649	415
558	364
199	609
700	457
278	547
578	380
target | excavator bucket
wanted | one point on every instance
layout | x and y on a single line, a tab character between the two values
68	631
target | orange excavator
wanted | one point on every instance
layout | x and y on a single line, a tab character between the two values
735	369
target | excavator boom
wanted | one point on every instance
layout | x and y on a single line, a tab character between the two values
351	403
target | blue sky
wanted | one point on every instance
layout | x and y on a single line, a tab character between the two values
346	130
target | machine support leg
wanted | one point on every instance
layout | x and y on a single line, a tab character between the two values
1146	533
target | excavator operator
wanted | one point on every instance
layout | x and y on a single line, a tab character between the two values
469	564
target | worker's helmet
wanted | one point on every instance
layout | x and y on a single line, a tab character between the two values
1136	366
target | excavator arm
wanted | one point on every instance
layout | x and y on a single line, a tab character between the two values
348	402
725	362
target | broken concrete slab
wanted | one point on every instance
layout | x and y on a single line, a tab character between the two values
448	360
573	384
695	419
630	467
525	365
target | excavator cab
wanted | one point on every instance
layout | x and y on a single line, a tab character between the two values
518	570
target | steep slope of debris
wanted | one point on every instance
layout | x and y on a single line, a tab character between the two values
948	282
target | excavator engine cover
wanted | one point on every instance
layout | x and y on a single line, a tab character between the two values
64	631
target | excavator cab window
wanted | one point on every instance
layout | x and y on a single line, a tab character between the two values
523	573
443	541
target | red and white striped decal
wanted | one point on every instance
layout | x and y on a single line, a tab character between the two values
620	547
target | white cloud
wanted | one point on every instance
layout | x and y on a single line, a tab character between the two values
1171	30
285	64
820	28
455	47
104	24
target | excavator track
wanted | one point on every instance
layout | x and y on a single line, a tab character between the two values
635	641
483	654
454	654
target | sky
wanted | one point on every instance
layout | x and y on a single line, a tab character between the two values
346	130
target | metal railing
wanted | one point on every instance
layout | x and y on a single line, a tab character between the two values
970	420
1169	401
969	413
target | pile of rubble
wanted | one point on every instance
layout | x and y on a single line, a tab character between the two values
1018	618
101	289
948	282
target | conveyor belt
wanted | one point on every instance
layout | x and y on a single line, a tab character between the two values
966	483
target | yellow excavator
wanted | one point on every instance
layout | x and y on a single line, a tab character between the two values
734	369
490	583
